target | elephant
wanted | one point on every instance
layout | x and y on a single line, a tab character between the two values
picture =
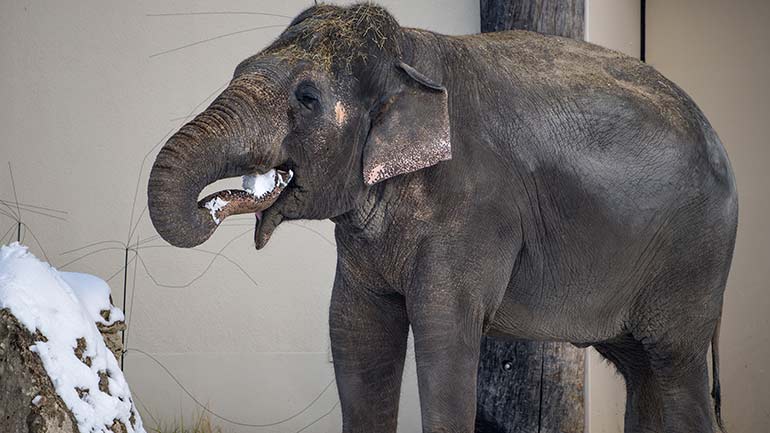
510	184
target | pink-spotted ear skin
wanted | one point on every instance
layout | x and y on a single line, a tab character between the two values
411	133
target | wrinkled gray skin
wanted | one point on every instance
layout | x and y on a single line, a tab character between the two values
587	199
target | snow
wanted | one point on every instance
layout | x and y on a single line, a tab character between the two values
215	205
94	294
261	184
284	182
43	300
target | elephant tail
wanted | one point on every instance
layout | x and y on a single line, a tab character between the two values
715	389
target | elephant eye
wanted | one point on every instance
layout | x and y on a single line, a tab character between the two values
307	95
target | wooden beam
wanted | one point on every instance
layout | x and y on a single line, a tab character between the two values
528	386
553	17
508	393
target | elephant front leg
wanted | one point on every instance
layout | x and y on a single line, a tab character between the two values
369	336
447	353
448	307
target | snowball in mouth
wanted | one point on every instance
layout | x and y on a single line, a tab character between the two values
260	185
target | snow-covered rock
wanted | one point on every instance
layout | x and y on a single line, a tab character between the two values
94	295
56	372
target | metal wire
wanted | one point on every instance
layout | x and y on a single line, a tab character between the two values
232	421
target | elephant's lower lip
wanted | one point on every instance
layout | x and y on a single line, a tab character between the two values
259	194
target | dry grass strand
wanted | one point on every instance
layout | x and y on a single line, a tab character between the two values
330	35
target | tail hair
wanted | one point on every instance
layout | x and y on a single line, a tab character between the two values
716	392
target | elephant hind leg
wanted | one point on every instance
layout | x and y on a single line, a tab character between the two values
681	372
675	329
666	383
644	411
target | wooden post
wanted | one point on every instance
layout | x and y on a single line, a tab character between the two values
554	17
529	386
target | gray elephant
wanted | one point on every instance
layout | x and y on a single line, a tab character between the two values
509	184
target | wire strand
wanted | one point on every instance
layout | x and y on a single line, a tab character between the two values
316	232
24	205
15	195
130	316
37	241
319	418
123	245
37	212
9	215
229	420
203	41
214	253
131	260
90	254
6	233
13	211
181	14
205	270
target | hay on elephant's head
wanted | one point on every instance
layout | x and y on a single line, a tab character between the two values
337	37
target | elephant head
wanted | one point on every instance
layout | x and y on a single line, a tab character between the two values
315	119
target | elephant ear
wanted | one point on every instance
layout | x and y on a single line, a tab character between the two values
410	131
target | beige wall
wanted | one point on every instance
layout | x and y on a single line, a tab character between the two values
719	53
614	24
84	101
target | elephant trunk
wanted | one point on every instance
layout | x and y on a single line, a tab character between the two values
223	141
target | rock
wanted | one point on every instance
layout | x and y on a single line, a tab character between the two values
28	402
112	334
60	339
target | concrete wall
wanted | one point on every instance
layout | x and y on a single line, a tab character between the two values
718	53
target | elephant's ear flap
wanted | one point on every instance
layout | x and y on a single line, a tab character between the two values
410	130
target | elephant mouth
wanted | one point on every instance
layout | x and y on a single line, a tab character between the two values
259	192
